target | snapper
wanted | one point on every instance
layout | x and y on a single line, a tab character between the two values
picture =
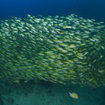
74	95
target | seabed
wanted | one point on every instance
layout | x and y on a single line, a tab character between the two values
45	93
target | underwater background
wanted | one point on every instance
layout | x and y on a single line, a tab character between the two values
89	8
40	92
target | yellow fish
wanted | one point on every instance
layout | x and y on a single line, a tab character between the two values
74	95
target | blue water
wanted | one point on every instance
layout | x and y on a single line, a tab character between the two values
85	8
